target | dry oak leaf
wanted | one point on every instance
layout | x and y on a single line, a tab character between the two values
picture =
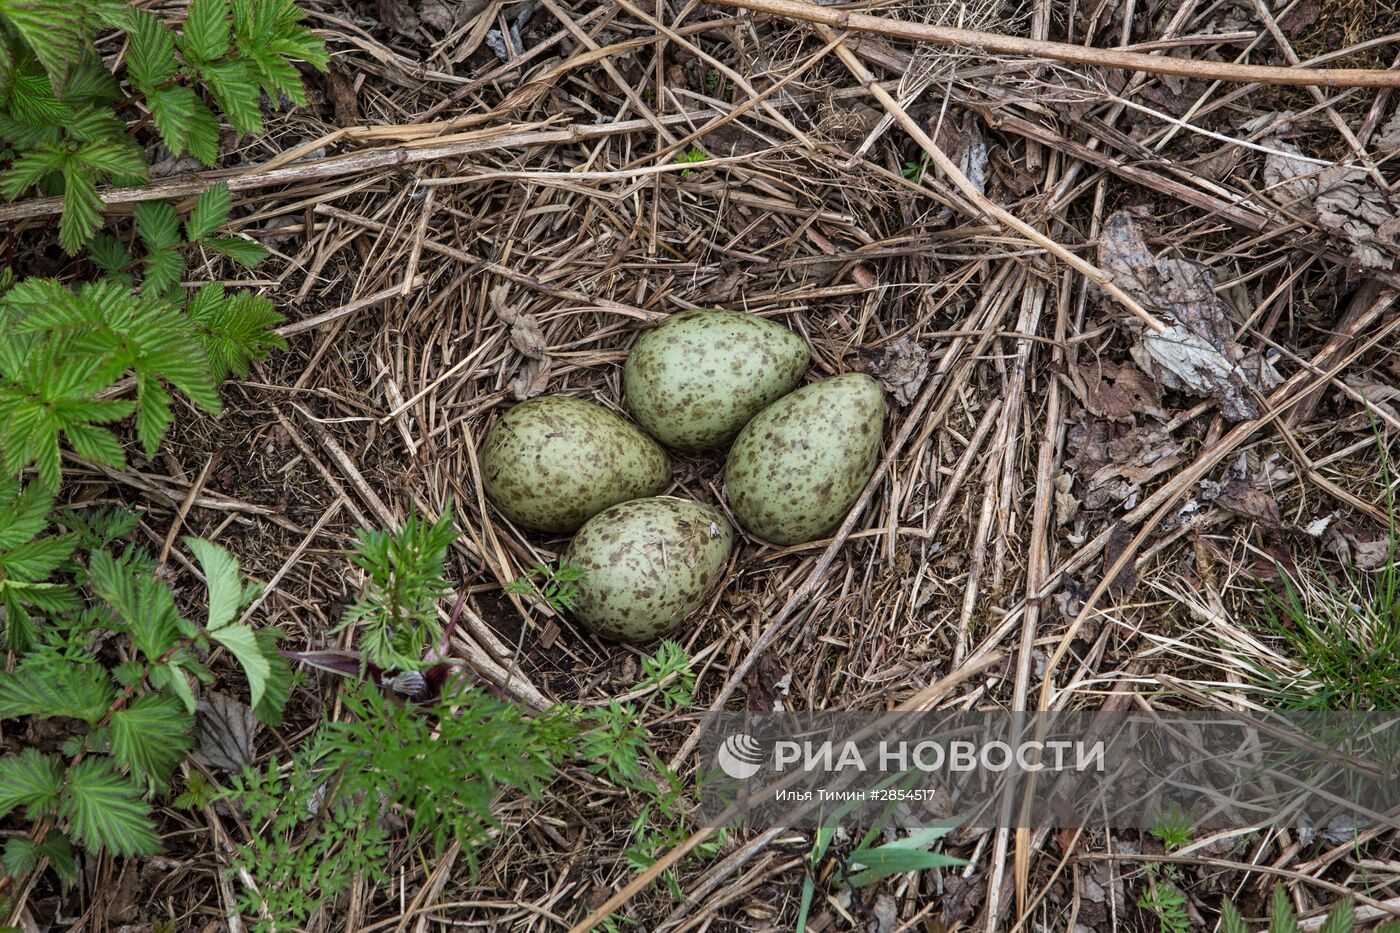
1197	352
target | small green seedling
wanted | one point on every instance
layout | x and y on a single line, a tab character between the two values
556	585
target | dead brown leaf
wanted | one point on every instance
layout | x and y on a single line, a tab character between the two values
1114	460
901	367
1119	392
1246	500
526	336
1366	549
1197	353
1343	200
344	101
224	731
1125	581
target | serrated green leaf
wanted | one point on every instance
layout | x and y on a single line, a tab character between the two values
57	848
143	603
126	159
21	856
206	35
158	225
236	91
1282	919
162	270
34	560
31	780
108	254
1230	919
20	630
94	444
172	111
247	253
46	597
82	209
1342	919
178	682
153	415
151	61
78	691
209	214
242	643
104	810
234	329
279	681
25	515
30	168
151	735
54	29
202	141
226	592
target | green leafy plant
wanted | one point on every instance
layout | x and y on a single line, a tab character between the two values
691	156
868	863
556	585
1342	632
60	108
1172	828
397	614
439	767
669	673
1282	918
1164	899
129	722
914	171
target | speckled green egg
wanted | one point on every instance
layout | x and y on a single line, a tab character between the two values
552	463
800	464
647	565
696	379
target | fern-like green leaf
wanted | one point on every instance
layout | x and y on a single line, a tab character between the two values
1342	919
150	737
108	254
31	780
1230	919
34	560
209	214
202	142
104	810
161	271
153	415
173	111
206	35
24	513
1282	918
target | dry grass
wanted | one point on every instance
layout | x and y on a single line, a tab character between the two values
803	215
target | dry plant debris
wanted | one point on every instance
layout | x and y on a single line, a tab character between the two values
481	203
